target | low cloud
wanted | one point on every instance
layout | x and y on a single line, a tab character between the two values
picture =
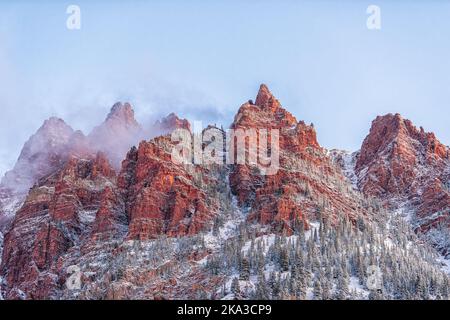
83	103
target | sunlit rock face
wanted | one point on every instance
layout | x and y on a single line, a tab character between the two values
307	182
410	170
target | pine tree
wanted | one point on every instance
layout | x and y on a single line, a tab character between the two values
216	227
284	260
315	236
235	289
261	288
301	289
317	291
245	269
326	295
224	290
375	295
342	291
276	287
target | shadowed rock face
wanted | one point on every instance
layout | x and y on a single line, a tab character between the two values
406	166
51	222
41	155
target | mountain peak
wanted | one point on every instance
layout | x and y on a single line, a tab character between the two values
53	121
41	153
55	125
123	112
266	99
392	150
393	127
172	122
265	112
53	132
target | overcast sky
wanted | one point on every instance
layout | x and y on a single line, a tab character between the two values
203	59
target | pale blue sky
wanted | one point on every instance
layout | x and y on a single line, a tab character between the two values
203	59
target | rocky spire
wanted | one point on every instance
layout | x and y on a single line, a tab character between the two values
266	99
266	112
122	112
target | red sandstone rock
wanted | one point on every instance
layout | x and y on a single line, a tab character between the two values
406	167
49	224
305	180
162	197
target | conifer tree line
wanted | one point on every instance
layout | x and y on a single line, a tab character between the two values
331	261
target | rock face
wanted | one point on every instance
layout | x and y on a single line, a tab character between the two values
163	197
46	152
408	168
51	221
80	203
41	155
55	142
120	131
307	183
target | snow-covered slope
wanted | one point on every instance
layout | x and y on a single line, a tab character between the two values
346	161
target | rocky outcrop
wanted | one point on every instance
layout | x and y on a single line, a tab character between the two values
407	168
55	142
163	197
307	183
50	222
392	151
43	154
74	201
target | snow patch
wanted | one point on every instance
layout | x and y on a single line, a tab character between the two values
9	206
346	161
87	216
